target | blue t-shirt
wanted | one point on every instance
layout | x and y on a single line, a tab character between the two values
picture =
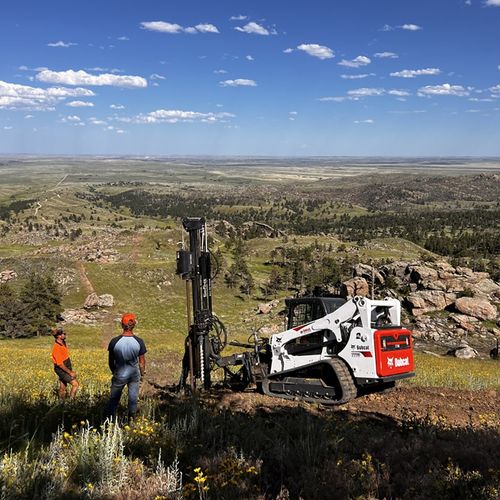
124	352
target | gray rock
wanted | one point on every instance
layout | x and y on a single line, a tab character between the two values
429	300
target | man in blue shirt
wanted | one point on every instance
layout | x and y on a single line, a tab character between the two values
128	364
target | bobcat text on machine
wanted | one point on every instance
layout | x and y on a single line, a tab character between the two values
332	350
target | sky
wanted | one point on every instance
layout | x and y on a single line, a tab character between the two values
251	78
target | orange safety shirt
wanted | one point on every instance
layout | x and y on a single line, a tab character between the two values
60	353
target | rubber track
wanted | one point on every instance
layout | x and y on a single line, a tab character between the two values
344	377
346	382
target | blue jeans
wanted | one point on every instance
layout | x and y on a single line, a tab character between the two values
117	385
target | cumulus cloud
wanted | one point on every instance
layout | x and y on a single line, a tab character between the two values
176	116
173	28
411	27
357	77
315	50
81	77
412	73
492	3
385	55
220	71
239	82
253	28
80	104
238	18
249	58
445	89
365	92
14	96
399	93
117	106
206	28
369	121
356	62
60	43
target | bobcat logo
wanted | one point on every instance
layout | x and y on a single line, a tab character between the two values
390	362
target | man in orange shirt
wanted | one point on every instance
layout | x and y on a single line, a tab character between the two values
62	364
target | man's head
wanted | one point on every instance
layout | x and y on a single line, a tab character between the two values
58	333
129	320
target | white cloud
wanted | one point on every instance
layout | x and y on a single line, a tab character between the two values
80	104
239	82
410	27
206	28
156	76
399	93
8	127
356	62
60	43
81	77
96	121
253	28
369	121
174	28
292	115
315	50
357	77
176	116
162	27
365	92
445	89
289	51
492	3
412	73
123	38
249	58
495	89
238	18
73	118
14	96
117	106
385	55
29	117
220	71
407	27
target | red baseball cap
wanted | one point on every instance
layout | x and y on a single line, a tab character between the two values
129	319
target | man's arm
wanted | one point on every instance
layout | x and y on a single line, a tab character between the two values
111	361
63	367
142	364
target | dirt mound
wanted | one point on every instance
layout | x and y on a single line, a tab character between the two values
452	407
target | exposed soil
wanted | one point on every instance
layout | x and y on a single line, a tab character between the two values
452	407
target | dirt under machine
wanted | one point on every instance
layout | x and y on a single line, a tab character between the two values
332	350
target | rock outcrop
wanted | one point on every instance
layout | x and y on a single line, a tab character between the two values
94	301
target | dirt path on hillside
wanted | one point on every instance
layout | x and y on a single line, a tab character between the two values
83	278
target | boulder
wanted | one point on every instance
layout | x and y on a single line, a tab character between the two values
94	301
106	300
423	274
485	286
91	301
464	322
355	286
7	275
429	300
464	351
266	308
78	317
480	308
364	271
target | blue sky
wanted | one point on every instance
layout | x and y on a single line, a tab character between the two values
275	77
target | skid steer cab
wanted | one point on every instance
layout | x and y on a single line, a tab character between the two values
335	349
